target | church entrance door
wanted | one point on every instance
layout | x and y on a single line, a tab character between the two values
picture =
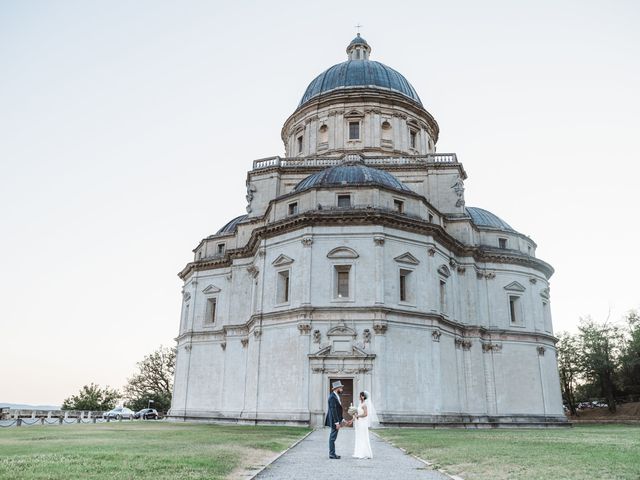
346	397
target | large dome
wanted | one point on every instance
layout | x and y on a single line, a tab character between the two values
360	72
351	173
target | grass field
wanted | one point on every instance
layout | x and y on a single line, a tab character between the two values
582	452
137	450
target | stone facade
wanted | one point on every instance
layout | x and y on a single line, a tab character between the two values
440	310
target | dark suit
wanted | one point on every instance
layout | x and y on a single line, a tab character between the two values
334	415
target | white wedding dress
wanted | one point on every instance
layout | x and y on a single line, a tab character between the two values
362	448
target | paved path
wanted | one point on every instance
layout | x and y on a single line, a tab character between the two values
309	460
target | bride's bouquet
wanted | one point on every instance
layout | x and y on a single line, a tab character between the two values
352	410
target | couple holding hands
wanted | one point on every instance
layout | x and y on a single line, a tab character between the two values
363	418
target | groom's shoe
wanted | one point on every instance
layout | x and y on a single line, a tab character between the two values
335	457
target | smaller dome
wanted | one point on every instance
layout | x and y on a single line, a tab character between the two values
484	218
358	41
232	226
351	173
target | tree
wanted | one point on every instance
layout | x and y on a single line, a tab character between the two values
568	366
600	359
92	397
153	381
630	358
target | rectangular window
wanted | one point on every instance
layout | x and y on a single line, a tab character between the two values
283	286
413	135
430	218
342	281
443	296
344	201
513	309
212	303
293	208
404	285
220	248
300	144
398	206
354	130
502	242
185	319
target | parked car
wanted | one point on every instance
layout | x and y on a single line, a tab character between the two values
147	414
119	413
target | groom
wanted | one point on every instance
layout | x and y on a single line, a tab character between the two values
334	416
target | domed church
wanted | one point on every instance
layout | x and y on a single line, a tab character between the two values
358	260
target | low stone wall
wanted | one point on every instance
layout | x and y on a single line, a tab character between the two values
13	414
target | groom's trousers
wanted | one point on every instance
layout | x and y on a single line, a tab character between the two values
332	441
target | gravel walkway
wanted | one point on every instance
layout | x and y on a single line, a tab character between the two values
309	460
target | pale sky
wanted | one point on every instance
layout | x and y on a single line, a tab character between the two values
127	129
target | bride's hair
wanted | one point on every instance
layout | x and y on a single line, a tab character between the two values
363	394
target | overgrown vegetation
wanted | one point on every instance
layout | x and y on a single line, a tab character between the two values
601	361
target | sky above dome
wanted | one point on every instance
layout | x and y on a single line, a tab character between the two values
127	129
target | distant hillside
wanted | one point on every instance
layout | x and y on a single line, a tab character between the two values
25	406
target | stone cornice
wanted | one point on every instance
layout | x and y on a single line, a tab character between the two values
308	170
368	314
367	216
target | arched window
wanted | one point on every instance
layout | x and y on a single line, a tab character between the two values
386	133
323	138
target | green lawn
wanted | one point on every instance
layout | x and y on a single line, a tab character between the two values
582	452
136	450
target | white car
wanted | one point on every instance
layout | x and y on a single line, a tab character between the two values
119	413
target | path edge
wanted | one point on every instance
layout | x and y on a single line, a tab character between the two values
428	464
255	475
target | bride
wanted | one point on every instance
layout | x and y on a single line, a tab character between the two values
364	418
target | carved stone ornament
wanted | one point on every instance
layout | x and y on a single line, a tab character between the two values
257	332
464	344
366	335
378	240
453	263
317	336
262	252
541	350
491	347
223	345
380	328
342	330
307	241
458	188
317	369
407	258
435	335
186	296
253	270
244	342
282	260
461	270
533	280
250	190
188	347
485	274
229	276
431	251
444	271
304	328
